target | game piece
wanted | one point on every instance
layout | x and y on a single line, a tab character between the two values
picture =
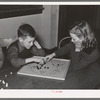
10	72
6	84
54	69
3	82
5	75
37	67
44	67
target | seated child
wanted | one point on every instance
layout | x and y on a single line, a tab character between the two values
83	47
23	50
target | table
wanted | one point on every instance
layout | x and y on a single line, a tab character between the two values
84	79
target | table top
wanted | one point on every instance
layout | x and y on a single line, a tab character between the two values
83	79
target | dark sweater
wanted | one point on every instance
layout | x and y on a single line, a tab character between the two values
17	54
80	59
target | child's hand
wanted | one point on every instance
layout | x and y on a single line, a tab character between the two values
42	62
37	44
78	46
78	49
49	57
39	59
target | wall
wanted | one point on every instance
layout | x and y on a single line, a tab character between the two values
98	18
50	26
46	25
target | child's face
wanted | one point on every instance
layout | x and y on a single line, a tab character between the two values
27	42
76	40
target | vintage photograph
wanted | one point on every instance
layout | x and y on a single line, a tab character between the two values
49	47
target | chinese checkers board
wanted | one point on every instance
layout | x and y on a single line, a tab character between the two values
54	69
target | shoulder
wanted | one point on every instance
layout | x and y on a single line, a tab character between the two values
92	53
95	52
91	50
13	45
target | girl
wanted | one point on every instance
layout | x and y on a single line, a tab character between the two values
82	48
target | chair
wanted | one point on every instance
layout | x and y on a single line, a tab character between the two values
4	44
63	42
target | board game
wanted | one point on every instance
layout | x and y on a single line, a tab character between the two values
54	69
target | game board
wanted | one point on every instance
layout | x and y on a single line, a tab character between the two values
54	69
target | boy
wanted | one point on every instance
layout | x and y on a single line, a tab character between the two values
23	50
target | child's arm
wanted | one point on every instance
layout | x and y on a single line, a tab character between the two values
34	59
49	57
62	51
37	50
18	62
12	55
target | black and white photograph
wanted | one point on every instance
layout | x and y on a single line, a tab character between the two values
49	47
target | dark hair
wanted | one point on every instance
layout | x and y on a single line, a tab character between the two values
26	30
83	29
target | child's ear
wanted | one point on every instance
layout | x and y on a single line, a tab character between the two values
20	39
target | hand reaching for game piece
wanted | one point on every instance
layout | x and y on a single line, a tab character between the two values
49	57
42	62
39	59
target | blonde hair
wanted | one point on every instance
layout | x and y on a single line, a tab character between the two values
83	29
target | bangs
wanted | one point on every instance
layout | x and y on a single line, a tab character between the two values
76	31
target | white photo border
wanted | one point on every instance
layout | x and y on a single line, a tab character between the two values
51	93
